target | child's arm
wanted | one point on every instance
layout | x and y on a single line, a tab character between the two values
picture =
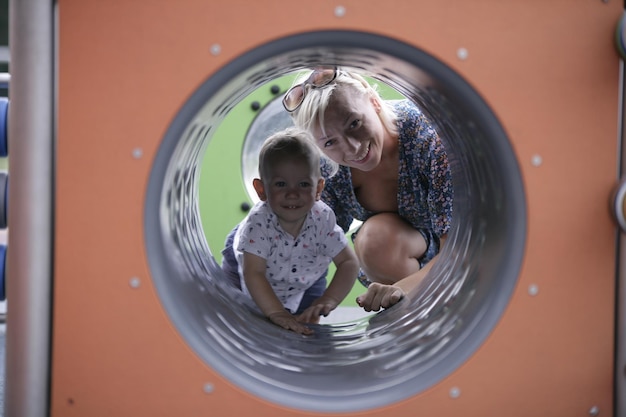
343	280
254	268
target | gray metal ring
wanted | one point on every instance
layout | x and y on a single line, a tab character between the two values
401	351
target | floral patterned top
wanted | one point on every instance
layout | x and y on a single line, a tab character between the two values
424	179
293	263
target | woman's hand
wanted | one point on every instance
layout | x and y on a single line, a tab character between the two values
380	296
288	321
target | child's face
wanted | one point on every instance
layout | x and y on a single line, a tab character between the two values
291	189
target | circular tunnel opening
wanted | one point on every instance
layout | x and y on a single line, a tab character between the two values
374	361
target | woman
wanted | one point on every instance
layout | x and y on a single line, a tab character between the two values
388	169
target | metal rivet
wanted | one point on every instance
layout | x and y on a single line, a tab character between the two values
208	388
137	153
462	54
536	160
340	11
455	392
533	289
134	282
216	49
594	411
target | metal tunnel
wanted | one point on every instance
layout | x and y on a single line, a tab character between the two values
396	353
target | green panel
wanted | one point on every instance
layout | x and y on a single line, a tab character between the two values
222	189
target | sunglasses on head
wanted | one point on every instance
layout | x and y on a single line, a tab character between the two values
319	78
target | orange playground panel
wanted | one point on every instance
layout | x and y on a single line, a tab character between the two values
548	70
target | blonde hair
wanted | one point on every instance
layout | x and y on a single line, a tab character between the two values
289	144
310	114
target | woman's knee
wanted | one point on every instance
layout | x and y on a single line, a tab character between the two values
368	241
387	236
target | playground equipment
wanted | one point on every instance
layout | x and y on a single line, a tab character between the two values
4	185
115	297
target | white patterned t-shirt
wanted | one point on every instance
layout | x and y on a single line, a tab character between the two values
293	264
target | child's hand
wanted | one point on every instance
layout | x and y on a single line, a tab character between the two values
287	321
320	307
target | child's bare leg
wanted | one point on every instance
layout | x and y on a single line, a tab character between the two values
388	248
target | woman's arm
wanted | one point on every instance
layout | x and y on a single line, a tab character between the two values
384	296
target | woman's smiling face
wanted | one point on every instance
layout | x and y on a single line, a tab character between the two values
353	132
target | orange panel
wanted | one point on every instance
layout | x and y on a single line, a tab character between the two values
548	69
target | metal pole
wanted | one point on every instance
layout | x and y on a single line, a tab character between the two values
620	322
29	249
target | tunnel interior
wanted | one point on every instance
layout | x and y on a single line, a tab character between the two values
374	361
